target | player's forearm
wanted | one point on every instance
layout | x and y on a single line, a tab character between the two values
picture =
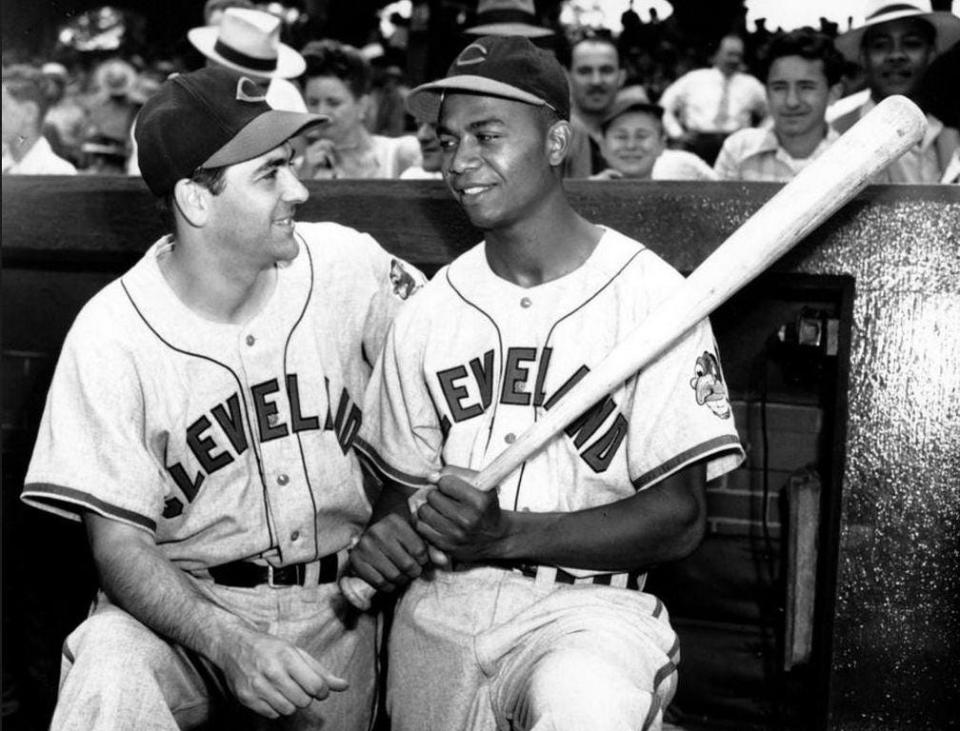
140	579
663	523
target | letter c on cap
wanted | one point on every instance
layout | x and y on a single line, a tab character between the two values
478	55
243	96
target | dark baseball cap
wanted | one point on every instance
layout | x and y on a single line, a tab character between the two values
509	67
631	99
207	119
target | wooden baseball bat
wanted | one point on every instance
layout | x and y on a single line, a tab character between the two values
826	184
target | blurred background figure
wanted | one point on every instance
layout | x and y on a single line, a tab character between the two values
595	76
507	18
431	155
104	155
894	46
213	10
337	83
27	94
66	117
110	117
704	106
248	41
802	77
388	116
635	144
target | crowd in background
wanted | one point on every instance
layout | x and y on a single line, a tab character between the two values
87	101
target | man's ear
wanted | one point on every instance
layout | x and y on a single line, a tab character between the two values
192	201
559	140
834	94
621	78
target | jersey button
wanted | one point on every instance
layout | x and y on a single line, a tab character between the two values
251	340
510	438
282	479
295	536
526	302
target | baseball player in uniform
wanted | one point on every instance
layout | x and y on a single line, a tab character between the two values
539	620
201	422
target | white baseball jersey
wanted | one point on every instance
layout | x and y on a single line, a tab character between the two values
474	360
225	441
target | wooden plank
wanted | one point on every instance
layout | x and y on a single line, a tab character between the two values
51	221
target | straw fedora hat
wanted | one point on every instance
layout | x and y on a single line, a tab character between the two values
507	18
248	41
946	24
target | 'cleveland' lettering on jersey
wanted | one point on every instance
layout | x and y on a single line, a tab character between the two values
524	374
216	442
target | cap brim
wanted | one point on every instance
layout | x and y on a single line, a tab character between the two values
946	24
509	29
269	130
424	101
634	106
290	64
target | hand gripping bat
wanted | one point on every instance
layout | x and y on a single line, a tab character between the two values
821	188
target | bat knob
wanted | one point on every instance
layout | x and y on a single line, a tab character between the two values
357	591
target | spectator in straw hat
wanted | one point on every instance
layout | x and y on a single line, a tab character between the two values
248	41
507	18
894	45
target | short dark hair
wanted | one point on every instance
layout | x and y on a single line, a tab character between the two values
714	46
809	44
333	58
213	179
587	35
29	84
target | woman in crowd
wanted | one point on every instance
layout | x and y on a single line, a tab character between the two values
337	83
26	97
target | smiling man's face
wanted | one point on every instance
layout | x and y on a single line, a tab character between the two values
895	55
495	157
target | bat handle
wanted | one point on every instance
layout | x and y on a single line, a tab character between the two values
357	591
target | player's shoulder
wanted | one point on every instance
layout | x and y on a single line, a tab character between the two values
644	273
437	299
328	241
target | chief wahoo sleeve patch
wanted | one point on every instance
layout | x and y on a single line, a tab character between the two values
708	386
404	283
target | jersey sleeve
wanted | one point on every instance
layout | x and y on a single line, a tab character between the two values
90	453
681	413
394	282
401	436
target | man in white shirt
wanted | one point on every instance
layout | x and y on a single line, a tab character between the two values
25	102
803	71
895	45
704	106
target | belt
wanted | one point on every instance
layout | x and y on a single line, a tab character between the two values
247	574
551	574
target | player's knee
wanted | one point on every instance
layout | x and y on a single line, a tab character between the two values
115	647
577	690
